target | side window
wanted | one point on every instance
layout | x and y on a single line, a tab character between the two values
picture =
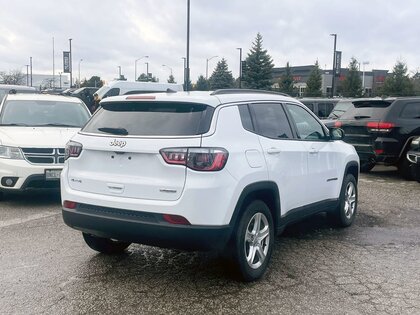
271	121
112	92
324	109
246	118
307	126
411	110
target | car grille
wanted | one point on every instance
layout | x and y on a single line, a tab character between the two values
44	155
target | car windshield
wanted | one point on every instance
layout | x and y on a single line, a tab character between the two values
43	113
102	91
151	119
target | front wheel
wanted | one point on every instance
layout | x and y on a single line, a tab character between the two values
253	241
345	213
105	245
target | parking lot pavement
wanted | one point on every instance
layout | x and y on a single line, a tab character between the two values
371	267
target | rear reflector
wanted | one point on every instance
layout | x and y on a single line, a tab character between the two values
69	204
140	97
379	151
338	124
175	219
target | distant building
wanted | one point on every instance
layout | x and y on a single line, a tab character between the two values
371	80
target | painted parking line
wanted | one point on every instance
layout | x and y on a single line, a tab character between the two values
27	219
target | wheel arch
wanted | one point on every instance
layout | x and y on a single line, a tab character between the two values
265	191
352	168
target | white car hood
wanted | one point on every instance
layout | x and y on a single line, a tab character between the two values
36	137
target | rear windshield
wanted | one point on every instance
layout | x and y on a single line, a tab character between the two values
151	119
339	109
367	110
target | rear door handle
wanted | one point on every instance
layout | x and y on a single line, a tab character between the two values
273	151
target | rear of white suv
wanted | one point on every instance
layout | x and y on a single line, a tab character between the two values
184	170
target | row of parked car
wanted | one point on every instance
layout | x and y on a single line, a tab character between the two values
382	130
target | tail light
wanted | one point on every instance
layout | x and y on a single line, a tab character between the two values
380	126
73	149
198	159
338	124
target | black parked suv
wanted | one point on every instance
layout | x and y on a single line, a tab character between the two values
413	156
382	130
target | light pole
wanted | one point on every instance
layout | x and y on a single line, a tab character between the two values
30	66
79	70
168	68
207	65
70	65
119	72
185	68
334	56
147	71
27	75
60	73
364	63
240	67
135	66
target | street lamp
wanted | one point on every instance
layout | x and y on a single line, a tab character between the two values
27	75
60	73
185	69
119	72
79	70
240	67
147	71
364	63
168	68
334	60
135	66
207	65
70	65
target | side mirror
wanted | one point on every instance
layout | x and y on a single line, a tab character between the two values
336	134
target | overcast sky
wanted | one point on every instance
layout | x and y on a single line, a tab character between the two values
110	33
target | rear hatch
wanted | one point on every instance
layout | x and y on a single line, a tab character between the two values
122	143
362	123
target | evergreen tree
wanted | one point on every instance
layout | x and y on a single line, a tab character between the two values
171	79
314	83
286	81
145	78
257	73
94	81
202	84
352	84
221	77
398	83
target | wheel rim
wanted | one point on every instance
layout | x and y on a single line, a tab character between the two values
257	240
350	200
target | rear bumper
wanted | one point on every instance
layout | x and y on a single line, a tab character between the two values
414	158
383	150
144	228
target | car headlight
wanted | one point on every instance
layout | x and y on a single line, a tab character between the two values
10	153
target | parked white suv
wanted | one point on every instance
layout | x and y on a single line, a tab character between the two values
224	170
34	129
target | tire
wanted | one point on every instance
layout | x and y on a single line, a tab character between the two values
105	245
366	166
404	168
253	241
345	213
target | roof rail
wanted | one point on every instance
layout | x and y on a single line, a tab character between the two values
246	91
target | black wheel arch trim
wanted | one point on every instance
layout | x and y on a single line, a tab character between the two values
252	190
349	165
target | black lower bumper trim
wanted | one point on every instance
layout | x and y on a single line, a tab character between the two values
136	230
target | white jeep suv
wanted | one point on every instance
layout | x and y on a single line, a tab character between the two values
224	170
34	130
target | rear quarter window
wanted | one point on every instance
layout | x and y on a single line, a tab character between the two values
411	111
151	119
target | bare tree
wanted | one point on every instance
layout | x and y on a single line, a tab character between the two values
13	77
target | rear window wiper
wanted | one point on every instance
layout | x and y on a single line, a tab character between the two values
361	116
114	131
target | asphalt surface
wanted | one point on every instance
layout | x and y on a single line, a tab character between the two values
371	267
